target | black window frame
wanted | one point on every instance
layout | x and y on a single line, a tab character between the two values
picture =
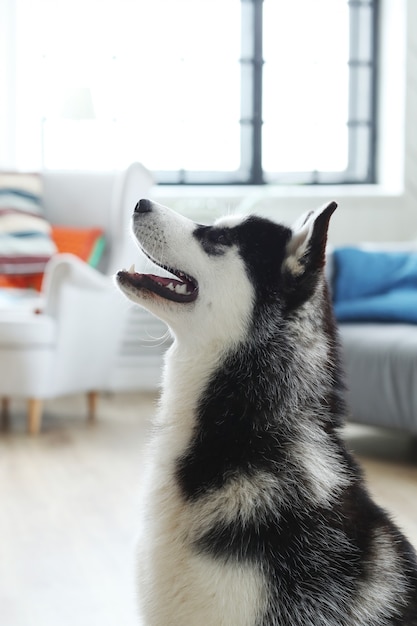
362	129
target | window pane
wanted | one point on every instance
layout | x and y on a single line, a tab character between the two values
175	84
306	82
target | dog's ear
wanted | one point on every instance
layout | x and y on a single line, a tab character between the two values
306	248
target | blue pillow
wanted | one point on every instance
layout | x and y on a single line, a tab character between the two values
375	285
360	273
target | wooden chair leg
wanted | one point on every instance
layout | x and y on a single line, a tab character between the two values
34	420
92	406
5	413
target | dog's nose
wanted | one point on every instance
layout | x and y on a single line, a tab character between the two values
143	206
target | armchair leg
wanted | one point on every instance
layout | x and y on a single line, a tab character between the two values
5	413
92	405
34	419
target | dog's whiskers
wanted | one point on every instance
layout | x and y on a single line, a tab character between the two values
156	342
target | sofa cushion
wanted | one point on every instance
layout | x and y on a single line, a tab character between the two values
381	367
26	329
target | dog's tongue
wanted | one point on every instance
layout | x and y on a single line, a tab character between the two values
164	280
170	283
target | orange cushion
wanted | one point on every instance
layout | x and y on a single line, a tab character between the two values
79	241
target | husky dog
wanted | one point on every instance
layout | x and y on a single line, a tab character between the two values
255	513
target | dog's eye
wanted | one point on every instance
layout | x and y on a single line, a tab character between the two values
219	237
214	240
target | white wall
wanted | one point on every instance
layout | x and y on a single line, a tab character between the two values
383	212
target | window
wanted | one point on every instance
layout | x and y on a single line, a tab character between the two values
201	91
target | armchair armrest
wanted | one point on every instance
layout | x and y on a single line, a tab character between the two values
67	270
89	313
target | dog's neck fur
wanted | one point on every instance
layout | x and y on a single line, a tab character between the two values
187	371
296	363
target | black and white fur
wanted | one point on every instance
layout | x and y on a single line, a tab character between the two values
255	512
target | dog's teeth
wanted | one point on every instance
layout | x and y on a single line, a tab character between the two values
182	289
132	269
171	287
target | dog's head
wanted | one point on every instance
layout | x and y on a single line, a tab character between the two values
216	278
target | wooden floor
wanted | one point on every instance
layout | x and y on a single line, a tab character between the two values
69	501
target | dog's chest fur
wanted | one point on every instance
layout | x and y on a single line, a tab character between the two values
185	586
240	533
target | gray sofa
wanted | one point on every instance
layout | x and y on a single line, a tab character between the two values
380	359
381	368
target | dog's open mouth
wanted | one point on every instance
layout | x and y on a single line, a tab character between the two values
182	288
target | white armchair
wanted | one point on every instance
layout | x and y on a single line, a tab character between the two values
65	343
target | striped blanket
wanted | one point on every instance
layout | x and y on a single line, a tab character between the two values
25	235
